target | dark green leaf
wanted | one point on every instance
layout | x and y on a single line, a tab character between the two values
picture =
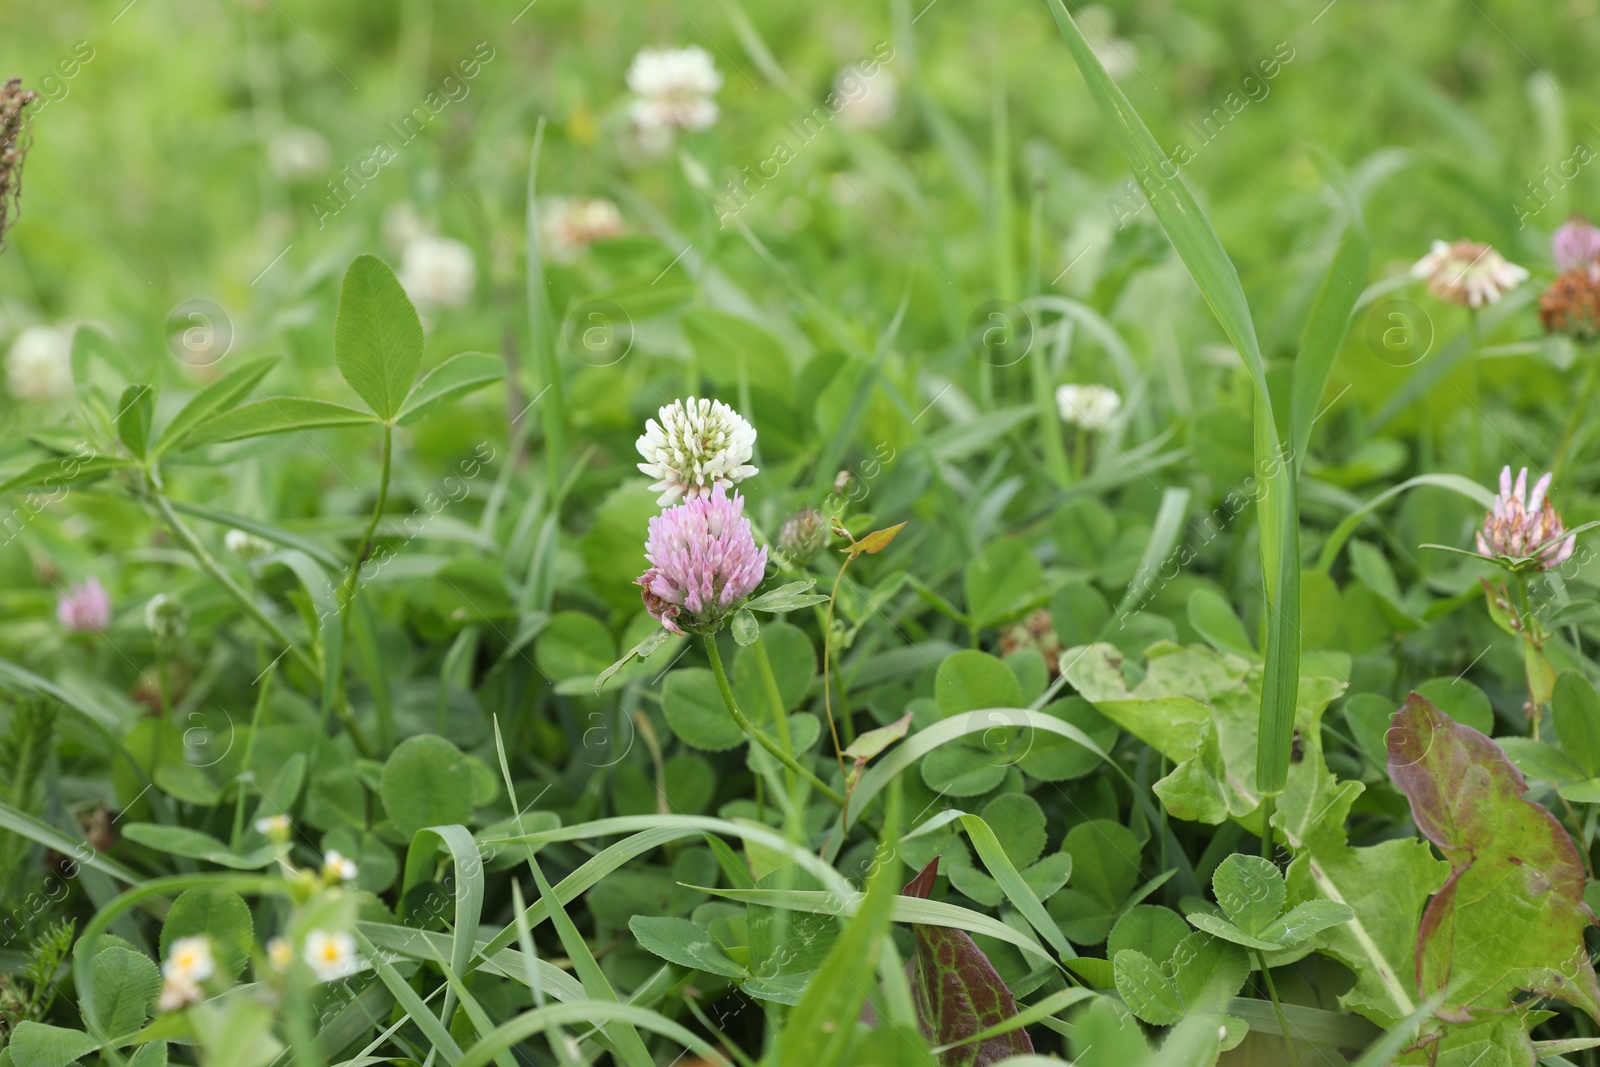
457	376
377	337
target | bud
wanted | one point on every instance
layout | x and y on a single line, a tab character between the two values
247	546
165	617
802	536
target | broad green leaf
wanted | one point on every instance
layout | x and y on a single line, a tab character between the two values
220	396
220	915
134	412
574	644
464	373
970	680
425	784
38	1045
1250	890
377	337
1213	619
193	844
682	942
790	597
1511	918
125	988
695	711
1003	581
283	414
1105	868
1462	701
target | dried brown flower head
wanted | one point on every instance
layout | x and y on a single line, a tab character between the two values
1572	303
14	100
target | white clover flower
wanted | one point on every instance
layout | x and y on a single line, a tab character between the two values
332	956
868	102
1468	273
696	447
567	226
298	152
437	272
672	89
274	826
189	958
403	224
39	365
246	545
165	617
336	867
280	953
1093	407
178	993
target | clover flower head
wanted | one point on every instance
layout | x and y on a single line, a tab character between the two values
295	153
190	958
703	563
1572	303
802	535
1468	273
246	545
568	225
177	993
165	617
337	867
332	956
697	446
437	272
1576	243
673	88
85	608
867	102
1093	407
39	365
280	953
1523	526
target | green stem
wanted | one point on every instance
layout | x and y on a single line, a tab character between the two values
780	719
1277	1006
347	591
1268	803
187	538
756	735
1591	379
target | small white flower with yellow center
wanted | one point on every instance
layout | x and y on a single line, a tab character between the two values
696	447
569	225
39	365
280	953
336	867
188	964
332	956
1093	407
673	88
1468	273
274	827
437	272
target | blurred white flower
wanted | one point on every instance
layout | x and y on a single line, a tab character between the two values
402	225
336	867
567	226
298	152
274	826
1468	273
437	272
165	617
1093	407
190	958
672	89
868	102
280	953
178	992
332	956
246	545
695	448
39	365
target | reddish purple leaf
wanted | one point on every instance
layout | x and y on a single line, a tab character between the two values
957	990
1511	916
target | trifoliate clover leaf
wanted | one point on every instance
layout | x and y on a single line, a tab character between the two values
1251	892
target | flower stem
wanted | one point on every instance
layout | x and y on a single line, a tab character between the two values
1591	379
756	735
347	591
1277	1006
780	719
